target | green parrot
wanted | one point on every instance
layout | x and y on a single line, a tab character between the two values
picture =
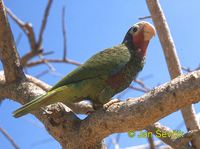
102	76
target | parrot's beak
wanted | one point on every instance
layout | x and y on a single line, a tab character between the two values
148	31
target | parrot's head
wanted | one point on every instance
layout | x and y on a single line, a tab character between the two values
138	37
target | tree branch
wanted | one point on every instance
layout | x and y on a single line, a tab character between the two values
64	35
8	53
36	47
133	114
28	30
42	61
187	137
172	60
165	37
145	17
168	140
136	114
9	138
44	22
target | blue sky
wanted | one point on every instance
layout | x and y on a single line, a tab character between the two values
93	26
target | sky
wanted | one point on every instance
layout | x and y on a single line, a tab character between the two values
91	27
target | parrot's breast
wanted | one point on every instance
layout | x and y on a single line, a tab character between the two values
123	79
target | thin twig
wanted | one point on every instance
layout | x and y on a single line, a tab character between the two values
44	22
138	89
186	69
9	138
64	34
26	27
15	18
36	47
151	142
143	88
47	53
141	83
143	18
28	30
47	63
42	73
68	61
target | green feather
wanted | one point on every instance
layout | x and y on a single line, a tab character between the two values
32	105
107	62
70	93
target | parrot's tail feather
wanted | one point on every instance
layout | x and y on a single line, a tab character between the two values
34	104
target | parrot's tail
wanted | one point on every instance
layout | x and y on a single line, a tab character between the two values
40	101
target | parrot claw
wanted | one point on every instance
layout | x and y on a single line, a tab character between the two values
111	102
46	111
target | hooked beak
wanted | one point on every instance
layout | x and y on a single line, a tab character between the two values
148	30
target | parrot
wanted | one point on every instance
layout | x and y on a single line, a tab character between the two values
102	76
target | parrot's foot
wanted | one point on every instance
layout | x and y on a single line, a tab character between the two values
111	102
46	111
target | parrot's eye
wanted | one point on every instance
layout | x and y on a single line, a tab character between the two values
135	29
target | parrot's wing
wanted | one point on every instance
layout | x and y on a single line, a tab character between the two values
107	62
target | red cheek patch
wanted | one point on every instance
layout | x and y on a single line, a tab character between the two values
138	41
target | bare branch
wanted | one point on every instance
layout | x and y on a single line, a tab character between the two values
64	35
143	18
187	137
9	138
51	68
165	37
141	83
168	140
44	22
172	61
151	143
56	121
15	18
27	28
28	56
44	72
186	69
8	53
36	47
81	107
171	95
68	61
137	112
138	89
143	88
